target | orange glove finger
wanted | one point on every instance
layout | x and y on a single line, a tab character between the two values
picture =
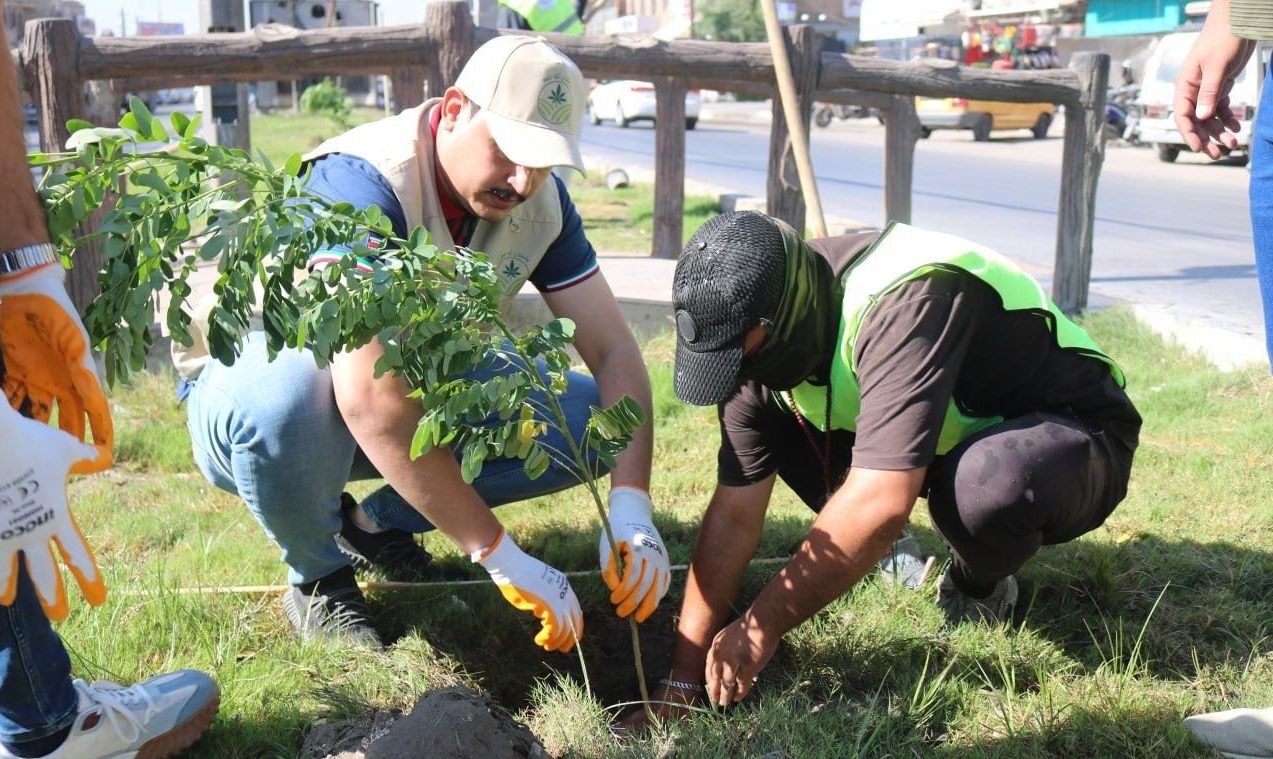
97	409
47	579
79	558
628	603
650	601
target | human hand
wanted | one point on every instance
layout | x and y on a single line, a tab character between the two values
672	699
531	585
646	573
738	653
47	361
1201	107
33	510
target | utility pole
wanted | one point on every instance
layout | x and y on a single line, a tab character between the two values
122	31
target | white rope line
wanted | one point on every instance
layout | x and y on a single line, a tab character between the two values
388	585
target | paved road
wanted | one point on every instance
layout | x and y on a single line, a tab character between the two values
1172	237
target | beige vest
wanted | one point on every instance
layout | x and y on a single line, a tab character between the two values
401	149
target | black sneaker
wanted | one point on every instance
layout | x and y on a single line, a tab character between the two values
395	553
332	608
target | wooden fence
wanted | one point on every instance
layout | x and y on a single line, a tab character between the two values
422	59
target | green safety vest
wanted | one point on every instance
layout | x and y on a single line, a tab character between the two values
903	254
547	16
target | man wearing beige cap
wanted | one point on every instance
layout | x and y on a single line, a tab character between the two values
474	167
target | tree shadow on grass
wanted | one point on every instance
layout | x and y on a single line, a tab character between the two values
1184	603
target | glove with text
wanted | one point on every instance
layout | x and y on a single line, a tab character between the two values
48	363
34	465
531	585
646	571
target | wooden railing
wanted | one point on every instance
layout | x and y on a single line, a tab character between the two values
422	59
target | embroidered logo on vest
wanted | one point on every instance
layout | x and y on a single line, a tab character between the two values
513	272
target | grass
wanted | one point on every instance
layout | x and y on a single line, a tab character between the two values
1163	612
280	134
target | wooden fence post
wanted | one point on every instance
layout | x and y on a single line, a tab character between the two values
51	69
901	132
783	198
669	166
407	84
1080	170
450	24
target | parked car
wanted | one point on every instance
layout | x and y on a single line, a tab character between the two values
625	101
983	116
1157	126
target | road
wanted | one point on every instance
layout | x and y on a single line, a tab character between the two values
1175	237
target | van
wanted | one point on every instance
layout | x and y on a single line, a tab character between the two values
1157	126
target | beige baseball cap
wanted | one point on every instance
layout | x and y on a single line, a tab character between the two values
533	98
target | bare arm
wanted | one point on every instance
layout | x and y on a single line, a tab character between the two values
383	420
727	541
19	206
850	535
612	355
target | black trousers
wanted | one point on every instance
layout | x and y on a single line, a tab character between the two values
1035	480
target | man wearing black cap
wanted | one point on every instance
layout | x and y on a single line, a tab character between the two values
865	371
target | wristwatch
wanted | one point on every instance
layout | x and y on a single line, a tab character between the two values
27	257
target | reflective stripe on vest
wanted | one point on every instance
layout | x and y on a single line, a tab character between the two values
903	254
547	15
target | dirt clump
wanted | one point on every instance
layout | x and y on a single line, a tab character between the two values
451	723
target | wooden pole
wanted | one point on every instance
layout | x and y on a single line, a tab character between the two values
791	184
669	166
901	132
407	84
450	26
1081	161
50	60
796	96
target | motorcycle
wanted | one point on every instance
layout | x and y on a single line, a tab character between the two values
825	113
1122	115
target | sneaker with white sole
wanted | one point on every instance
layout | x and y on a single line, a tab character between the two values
961	607
154	719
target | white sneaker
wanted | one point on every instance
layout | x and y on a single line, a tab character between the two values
150	720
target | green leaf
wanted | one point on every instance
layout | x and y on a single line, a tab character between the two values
471	464
536	462
293	166
75	125
179	122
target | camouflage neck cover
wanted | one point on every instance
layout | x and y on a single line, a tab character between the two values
800	335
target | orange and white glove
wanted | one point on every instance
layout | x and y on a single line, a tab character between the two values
48	363
646	571
531	585
35	460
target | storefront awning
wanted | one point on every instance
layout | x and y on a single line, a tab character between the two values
1013	7
891	19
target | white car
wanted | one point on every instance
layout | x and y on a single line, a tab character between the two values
625	101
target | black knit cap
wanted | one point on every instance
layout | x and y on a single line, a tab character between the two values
730	275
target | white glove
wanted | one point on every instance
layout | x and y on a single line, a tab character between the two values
35	460
646	572
531	585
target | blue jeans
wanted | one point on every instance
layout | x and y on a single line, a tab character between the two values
36	695
1262	205
270	432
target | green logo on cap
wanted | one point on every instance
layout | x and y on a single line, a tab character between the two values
554	101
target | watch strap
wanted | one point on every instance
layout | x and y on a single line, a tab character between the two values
27	257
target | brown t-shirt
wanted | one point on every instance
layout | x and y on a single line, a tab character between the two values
944	335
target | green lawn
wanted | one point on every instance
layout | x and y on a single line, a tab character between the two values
1163	612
